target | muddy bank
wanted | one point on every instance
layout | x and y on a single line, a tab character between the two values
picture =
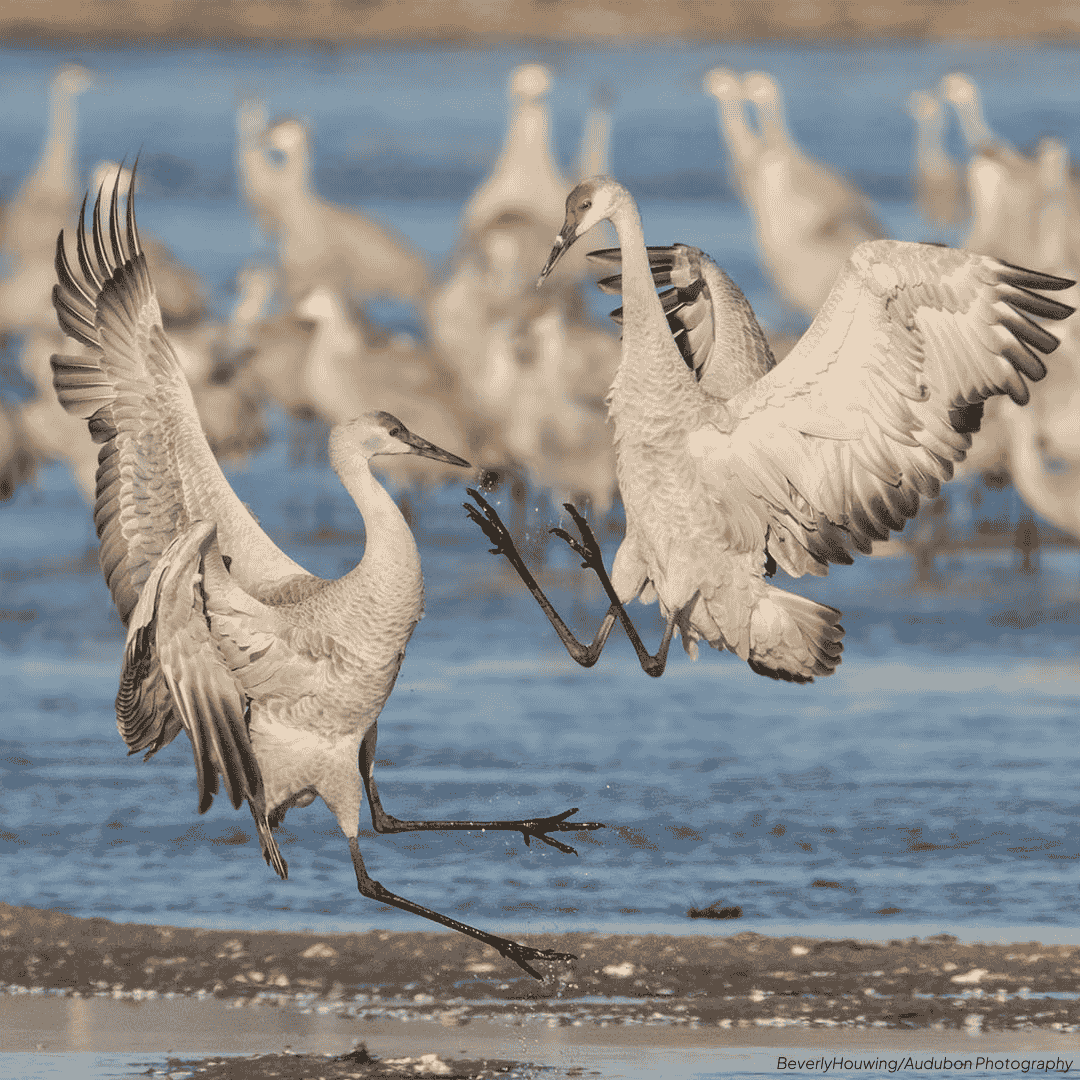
740	980
356	1065
334	23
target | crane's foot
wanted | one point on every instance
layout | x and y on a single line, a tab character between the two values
588	547
525	955
538	829
492	526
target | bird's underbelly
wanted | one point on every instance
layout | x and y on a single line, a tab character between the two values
296	759
678	534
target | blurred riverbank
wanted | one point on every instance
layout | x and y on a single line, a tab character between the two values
340	23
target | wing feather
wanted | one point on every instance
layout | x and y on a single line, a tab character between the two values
861	419
156	472
726	354
173	644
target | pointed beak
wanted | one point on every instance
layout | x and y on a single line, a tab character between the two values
563	241
430	450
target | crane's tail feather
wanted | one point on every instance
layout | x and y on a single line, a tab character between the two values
266	838
792	638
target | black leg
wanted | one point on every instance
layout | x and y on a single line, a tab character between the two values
589	550
534	828
512	950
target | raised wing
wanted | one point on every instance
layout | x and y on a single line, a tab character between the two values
835	446
711	320
156	472
199	651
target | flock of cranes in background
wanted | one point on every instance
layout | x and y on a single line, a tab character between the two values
515	377
728	464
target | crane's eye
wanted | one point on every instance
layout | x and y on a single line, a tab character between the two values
395	433
585	205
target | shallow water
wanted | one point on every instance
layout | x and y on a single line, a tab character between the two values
930	784
99	1039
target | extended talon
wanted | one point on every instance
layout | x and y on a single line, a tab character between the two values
575	545
521	954
557	823
489	522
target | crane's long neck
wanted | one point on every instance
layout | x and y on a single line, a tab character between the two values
56	167
388	584
774	129
653	387
593	158
526	168
930	146
977	133
741	142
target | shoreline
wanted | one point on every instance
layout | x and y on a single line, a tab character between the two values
744	979
338	24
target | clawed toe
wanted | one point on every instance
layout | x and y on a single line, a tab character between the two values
539	829
576	545
522	954
489	522
586	547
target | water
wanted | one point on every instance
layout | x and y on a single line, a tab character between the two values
929	785
111	1039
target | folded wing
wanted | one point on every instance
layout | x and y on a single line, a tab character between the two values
199	651
710	319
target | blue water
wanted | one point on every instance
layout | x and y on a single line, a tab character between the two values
928	786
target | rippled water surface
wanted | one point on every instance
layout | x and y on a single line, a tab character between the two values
931	783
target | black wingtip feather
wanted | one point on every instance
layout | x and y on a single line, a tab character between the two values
605	256
1026	278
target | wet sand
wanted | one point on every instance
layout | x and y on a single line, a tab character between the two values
296	1005
338	23
737	980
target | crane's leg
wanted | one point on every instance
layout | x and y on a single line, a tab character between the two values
534	828
589	550
512	950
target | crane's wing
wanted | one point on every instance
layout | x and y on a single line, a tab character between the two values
156	472
199	651
871	409
711	320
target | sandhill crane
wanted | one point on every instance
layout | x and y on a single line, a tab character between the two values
525	178
345	374
526	182
334	246
278	677
744	145
938	180
596	135
179	289
41	207
1003	183
17	459
729	467
254	169
809	219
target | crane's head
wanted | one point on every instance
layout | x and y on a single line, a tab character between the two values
530	81
72	80
287	136
959	89
103	176
377	433
723	84
923	107
591	202
760	88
